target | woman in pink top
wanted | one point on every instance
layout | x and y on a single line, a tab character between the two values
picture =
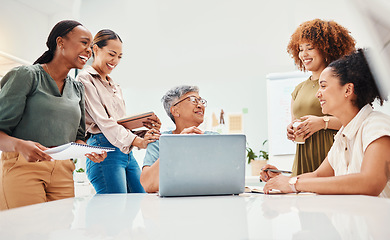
104	105
359	160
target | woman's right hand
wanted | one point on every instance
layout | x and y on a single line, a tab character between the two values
32	151
267	175
290	132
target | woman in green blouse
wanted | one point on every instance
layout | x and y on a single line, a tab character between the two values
314	45
41	107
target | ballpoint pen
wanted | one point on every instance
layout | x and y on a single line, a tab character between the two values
277	170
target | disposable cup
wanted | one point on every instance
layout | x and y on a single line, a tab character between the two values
298	139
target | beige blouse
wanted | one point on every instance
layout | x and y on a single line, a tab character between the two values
104	105
347	152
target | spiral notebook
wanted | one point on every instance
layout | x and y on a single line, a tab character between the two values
75	150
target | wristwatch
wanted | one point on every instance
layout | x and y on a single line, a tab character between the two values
326	120
292	183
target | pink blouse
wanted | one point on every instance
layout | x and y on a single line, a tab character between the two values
104	105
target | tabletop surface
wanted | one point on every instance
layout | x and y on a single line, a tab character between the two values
247	216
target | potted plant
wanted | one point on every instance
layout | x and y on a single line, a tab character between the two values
257	161
79	175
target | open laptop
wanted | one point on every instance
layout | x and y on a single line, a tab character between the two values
193	165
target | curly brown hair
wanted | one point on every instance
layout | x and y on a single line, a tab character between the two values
329	37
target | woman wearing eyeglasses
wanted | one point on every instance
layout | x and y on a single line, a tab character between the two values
186	109
104	105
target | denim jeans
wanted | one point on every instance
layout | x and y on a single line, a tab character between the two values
118	173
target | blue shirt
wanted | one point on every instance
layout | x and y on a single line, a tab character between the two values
153	150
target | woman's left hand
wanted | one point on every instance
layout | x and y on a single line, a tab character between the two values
153	124
94	157
310	124
279	182
97	158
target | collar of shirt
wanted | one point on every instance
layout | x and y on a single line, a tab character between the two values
93	72
353	126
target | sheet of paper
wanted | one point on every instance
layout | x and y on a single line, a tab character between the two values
257	189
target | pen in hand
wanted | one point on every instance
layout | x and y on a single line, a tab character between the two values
276	170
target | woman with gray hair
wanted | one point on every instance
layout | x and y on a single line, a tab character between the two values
186	109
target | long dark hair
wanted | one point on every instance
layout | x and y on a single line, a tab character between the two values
354	69
103	36
61	29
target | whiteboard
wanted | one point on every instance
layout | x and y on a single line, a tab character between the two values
279	89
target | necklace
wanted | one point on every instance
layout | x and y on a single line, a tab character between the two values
48	71
314	82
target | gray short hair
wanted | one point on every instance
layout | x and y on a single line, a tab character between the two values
173	95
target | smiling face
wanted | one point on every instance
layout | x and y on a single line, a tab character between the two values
187	113
311	58
331	94
75	47
107	57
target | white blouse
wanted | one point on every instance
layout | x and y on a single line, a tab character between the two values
351	141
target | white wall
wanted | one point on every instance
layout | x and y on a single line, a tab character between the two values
226	47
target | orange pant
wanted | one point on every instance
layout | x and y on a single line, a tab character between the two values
24	183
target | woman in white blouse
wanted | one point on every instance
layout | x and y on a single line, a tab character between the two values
359	160
104	105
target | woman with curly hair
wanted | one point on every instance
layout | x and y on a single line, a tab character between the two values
314	45
358	162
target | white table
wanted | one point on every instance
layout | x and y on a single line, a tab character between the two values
248	216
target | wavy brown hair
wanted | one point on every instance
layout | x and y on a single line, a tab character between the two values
329	37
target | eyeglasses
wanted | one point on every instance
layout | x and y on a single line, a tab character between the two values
194	100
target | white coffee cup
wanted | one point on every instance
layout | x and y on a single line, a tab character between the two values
298	139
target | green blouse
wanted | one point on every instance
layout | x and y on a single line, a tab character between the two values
310	155
32	107
305	100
